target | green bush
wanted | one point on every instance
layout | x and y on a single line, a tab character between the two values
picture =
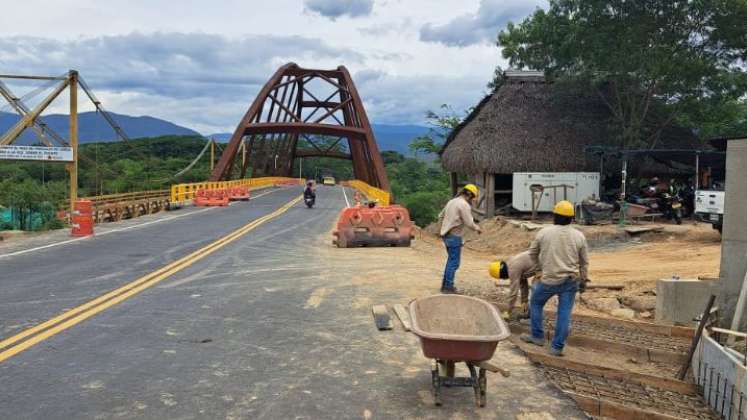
424	206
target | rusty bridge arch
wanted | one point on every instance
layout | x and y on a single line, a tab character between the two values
290	107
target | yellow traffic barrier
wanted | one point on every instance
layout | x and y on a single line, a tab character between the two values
181	193
372	193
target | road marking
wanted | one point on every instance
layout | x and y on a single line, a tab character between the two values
76	315
347	203
106	232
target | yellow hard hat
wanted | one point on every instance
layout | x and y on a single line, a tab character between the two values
495	269
472	188
564	208
498	270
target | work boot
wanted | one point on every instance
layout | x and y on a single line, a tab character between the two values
556	352
528	338
450	291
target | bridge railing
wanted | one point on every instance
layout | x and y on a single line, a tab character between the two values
373	193
183	192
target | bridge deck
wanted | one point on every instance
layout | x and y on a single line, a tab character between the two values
268	326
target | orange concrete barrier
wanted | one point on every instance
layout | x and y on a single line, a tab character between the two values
373	226
211	198
239	193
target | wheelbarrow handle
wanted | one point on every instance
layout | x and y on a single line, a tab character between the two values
493	368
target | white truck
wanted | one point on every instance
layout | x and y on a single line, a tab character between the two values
709	207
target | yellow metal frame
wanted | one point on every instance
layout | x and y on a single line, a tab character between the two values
184	192
373	193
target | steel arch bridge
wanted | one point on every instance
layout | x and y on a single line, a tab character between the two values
290	114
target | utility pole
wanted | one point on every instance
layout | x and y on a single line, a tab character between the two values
212	154
73	166
300	167
243	153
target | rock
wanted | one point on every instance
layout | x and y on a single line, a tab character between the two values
640	303
603	304
645	314
624	313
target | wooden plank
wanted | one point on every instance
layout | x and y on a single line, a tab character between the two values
669	384
642	229
381	317
403	315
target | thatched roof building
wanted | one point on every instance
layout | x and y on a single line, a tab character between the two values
527	125
532	125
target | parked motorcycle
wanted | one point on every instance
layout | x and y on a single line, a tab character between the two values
671	206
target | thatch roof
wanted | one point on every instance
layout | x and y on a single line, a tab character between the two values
531	125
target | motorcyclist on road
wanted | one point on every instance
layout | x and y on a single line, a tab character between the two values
309	191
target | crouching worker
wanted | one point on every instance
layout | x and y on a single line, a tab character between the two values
560	252
518	269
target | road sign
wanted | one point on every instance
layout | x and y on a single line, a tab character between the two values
55	154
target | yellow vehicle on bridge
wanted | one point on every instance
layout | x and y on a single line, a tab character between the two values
328	180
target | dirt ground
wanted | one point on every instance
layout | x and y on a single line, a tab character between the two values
636	261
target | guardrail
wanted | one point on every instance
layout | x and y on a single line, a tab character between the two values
373	193
184	192
115	207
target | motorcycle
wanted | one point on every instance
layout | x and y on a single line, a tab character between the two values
309	201
671	205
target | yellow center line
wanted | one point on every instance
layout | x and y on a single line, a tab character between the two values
78	314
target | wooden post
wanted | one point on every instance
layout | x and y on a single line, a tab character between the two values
73	166
489	195
453	181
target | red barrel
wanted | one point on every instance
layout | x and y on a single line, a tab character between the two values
82	220
84	207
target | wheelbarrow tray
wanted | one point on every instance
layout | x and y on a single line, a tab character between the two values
457	328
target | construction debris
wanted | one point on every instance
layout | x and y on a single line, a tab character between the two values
381	317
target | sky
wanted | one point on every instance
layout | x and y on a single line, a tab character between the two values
200	63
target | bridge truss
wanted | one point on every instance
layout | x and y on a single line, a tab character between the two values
303	113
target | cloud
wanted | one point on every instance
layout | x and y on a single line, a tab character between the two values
479	27
161	74
334	9
397	99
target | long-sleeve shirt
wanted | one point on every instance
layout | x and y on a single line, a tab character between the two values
521	266
456	215
560	251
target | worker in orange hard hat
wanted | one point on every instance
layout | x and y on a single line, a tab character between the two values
561	253
454	217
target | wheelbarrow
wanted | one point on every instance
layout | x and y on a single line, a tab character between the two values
458	329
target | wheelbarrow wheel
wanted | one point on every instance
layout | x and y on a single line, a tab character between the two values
436	382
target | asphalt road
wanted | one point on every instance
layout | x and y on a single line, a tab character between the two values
244	332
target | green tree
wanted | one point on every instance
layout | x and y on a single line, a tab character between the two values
441	125
643	58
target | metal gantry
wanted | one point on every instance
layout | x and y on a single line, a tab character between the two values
303	104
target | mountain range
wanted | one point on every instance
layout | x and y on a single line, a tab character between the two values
93	128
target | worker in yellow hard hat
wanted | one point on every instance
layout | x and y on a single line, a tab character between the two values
456	215
561	253
518	269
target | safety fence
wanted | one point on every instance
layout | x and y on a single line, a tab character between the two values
373	193
181	193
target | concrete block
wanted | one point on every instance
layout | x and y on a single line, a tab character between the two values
679	301
734	244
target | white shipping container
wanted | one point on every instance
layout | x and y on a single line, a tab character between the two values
585	185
